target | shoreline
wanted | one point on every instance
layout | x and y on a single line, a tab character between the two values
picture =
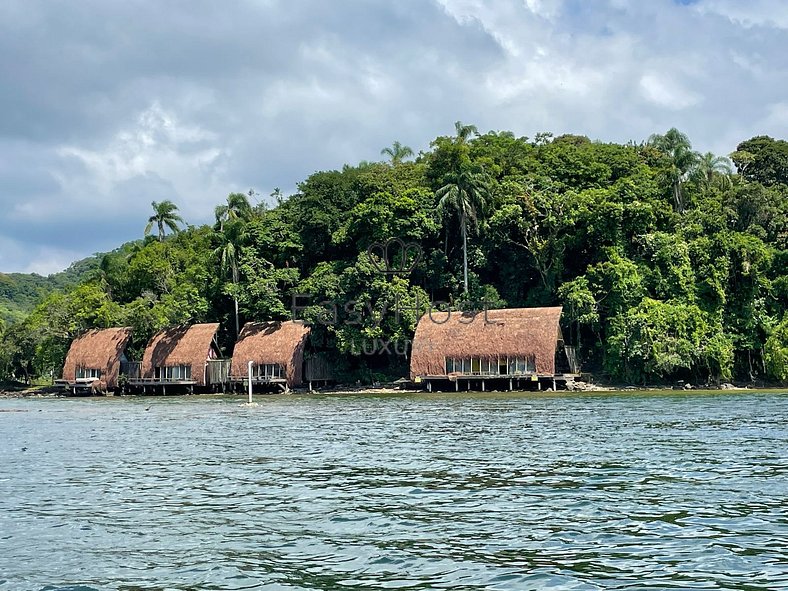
51	392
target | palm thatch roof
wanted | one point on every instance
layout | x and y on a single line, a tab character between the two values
514	332
272	342
100	349
181	345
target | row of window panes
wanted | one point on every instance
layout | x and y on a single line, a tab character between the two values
267	371
491	367
174	373
86	372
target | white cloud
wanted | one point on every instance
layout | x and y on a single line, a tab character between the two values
767	13
190	107
667	93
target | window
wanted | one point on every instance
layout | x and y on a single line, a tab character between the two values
86	372
176	373
485	367
475	365
449	365
267	371
502	367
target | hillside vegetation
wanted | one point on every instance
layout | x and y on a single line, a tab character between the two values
669	264
20	292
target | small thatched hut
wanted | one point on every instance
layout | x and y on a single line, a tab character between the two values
94	359
180	354
495	343
276	350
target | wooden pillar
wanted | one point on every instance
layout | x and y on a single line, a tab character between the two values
554	387
429	386
482	385
539	386
510	384
456	385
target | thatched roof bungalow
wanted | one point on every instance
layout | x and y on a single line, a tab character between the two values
516	341
181	354
275	348
95	358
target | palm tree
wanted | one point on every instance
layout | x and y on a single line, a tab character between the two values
164	215
677	147
236	208
464	131
708	167
227	254
466	194
397	153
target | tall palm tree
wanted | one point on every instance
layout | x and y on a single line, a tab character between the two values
236	208
677	147
227	253
164	215
466	194
464	131
397	153
710	167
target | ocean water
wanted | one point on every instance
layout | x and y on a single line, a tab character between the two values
442	491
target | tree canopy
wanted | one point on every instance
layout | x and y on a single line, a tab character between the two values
669	265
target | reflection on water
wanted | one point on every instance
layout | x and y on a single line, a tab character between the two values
411	492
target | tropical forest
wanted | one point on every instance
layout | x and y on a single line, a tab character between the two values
670	264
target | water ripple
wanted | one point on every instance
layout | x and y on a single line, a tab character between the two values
412	492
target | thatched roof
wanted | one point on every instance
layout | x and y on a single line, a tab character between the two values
272	342
180	345
98	349
516	332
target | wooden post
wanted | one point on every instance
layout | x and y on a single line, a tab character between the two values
510	384
554	387
482	385
456	385
429	386
249	376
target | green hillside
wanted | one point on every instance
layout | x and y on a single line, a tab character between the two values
20	292
670	264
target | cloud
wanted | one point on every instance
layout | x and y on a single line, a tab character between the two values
108	106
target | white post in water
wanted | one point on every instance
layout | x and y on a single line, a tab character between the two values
249	375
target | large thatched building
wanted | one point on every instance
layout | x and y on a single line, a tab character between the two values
94	360
276	350
514	345
180	355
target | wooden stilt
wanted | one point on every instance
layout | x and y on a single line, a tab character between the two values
456	385
510	384
482	385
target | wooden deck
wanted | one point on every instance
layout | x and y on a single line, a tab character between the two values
509	381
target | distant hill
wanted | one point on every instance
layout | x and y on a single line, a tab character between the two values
19	292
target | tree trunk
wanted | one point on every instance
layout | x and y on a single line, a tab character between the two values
677	196
237	327
464	254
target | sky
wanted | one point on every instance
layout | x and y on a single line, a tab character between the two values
107	106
